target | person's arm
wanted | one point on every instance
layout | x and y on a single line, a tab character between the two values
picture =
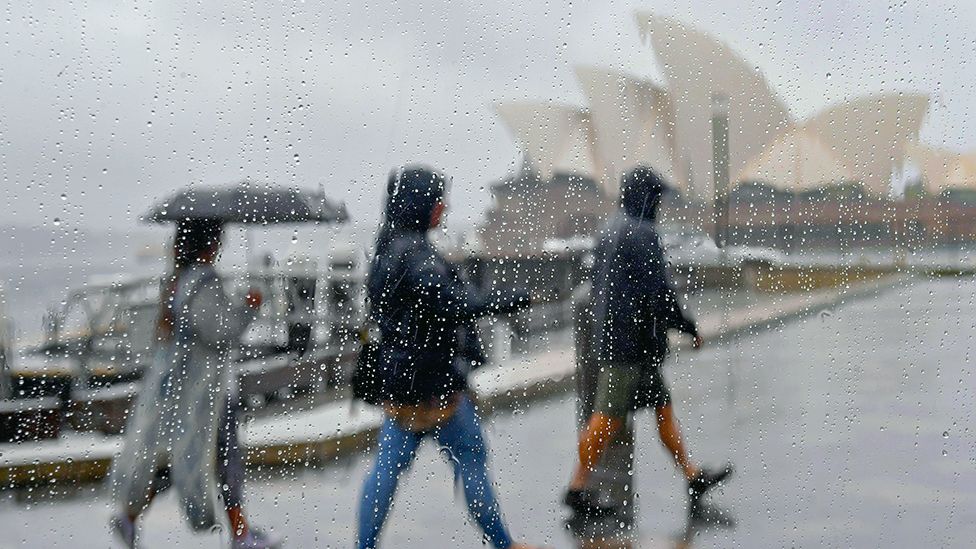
216	321
453	298
674	315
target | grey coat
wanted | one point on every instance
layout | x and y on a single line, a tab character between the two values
176	416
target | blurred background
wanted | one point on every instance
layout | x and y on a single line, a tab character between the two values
822	231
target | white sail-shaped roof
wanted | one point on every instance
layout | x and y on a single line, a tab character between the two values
554	137
633	121
963	172
935	165
697	67
871	134
797	160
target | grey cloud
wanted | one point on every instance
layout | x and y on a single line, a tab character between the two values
118	105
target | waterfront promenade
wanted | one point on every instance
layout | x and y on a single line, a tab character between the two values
300	435
851	427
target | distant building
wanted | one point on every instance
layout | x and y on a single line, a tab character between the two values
554	137
529	210
796	160
697	67
871	134
943	170
633	123
794	183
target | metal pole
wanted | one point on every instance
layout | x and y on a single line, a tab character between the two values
720	166
720	171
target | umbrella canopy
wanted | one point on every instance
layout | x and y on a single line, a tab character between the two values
249	203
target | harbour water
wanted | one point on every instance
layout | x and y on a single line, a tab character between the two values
850	428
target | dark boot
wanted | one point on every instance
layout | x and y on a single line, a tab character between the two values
585	504
704	481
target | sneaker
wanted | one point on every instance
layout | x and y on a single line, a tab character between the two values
255	539
124	529
705	480
584	503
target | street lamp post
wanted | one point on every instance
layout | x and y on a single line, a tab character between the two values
720	167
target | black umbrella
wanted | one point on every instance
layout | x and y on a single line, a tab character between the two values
249	203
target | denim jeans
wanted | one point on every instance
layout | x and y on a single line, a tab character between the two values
464	445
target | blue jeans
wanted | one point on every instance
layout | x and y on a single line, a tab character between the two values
465	447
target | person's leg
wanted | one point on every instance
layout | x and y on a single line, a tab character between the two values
396	450
123	523
670	434
700	480
462	437
655	393
159	484
230	470
613	401
593	442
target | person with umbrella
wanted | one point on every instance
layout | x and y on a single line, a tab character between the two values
420	302
185	403
184	429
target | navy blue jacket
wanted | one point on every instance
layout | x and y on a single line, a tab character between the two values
634	302
418	300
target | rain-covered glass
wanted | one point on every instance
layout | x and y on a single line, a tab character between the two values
467	274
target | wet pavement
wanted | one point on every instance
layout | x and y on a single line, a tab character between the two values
851	428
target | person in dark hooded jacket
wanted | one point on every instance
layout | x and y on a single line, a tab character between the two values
421	303
634	305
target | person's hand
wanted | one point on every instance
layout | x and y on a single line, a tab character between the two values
253	299
698	342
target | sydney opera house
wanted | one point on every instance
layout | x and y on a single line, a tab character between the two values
853	174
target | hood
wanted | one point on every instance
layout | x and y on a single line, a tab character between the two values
411	194
641	190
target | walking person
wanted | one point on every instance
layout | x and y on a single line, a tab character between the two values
184	426
420	303
634	305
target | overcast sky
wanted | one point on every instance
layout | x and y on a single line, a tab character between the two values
107	107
